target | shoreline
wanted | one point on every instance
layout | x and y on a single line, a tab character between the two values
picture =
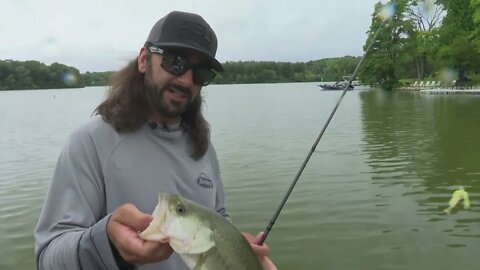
443	91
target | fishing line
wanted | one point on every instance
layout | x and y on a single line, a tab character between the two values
300	171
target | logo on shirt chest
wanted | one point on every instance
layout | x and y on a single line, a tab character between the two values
204	181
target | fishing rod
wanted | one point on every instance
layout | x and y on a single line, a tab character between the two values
314	146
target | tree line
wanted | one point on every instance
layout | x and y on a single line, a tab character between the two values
19	75
331	69
16	75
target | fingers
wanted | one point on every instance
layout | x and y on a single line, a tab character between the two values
258	238
122	229
130	216
261	251
267	264
150	252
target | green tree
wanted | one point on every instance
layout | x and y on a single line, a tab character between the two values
475	4
426	17
391	52
458	42
17	75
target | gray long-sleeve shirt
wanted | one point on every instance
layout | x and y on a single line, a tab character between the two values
100	169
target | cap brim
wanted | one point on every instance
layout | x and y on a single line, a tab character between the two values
213	62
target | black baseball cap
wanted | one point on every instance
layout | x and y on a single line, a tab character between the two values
186	30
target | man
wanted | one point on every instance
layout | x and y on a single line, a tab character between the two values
150	137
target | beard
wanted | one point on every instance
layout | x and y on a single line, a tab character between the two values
164	107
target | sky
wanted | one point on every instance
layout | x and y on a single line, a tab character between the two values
103	35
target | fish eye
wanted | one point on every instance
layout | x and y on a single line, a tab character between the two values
181	209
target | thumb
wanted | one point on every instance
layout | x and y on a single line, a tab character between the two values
130	216
258	238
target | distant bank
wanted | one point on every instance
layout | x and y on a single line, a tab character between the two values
18	75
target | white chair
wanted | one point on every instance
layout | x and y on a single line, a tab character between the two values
453	83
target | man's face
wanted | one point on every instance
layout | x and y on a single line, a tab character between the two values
168	98
169	95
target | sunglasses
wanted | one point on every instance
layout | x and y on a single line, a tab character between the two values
176	64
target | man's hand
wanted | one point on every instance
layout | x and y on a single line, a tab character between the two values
261	251
122	229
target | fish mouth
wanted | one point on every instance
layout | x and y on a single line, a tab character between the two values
155	231
185	234
162	211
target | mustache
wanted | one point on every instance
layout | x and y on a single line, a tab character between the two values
179	88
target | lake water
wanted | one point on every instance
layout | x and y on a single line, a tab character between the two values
371	196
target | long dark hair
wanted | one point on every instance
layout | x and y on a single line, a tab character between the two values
126	107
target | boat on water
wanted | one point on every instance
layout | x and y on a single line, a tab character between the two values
340	85
336	86
354	82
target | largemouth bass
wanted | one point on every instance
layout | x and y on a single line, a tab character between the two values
204	239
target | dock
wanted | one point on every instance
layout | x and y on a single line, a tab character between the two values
446	91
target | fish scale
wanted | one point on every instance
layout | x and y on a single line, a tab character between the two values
216	260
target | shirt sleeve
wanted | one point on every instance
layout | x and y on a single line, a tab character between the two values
71	231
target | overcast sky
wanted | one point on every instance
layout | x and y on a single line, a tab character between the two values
100	35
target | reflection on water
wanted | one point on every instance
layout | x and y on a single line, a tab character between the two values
371	196
426	143
420	149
